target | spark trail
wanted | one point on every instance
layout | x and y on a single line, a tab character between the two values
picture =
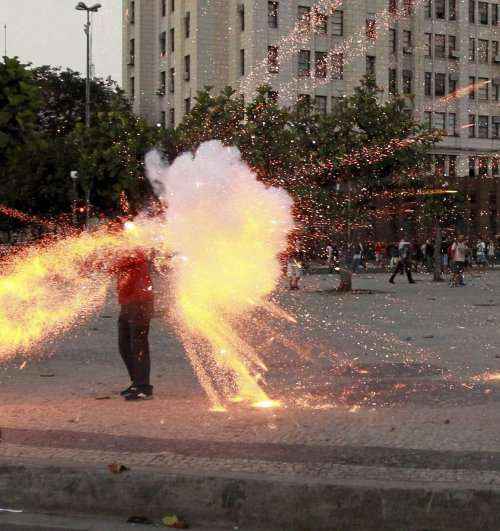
48	288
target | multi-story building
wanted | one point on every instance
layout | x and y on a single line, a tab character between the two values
429	48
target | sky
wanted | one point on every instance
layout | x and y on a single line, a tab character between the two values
51	32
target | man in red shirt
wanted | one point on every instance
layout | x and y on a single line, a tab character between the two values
136	298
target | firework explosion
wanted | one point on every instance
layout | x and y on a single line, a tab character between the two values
226	230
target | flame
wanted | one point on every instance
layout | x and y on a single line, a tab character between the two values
45	290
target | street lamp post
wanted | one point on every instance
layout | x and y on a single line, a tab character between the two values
81	6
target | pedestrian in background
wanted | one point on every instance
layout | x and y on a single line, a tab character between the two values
404	263
491	253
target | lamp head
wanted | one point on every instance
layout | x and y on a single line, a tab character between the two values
95	8
81	6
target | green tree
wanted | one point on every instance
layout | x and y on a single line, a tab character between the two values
19	106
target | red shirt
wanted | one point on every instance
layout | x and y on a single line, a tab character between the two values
134	282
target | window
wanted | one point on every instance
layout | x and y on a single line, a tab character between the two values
428	45
496	92
494	162
304	63
320	104
242	62
241	13
371	26
483	92
131	13
392	40
483	166
472	50
171	80
452	83
428	83
494	14
163	82
452	124
163	43
320	22
131	52
272	59
187	25
428	8
495	132
163	8
440	9
472	125
172	117
337	18
163	118
187	68
407	41
393	81
393	7
440	84
452	46
428	119
482	8
338	65
472	11
452	9
272	14
172	5
172	40
187	105
494	50
472	91
452	166
320	64
304	18
407	81
482	51
472	173
439	121
132	87
439	46
370	65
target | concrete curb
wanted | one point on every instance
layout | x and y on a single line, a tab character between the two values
250	502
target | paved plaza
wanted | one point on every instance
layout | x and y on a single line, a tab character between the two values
387	384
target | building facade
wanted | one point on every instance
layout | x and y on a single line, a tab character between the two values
443	52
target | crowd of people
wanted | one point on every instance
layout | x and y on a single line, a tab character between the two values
455	255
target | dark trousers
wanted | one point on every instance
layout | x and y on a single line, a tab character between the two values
133	330
403	265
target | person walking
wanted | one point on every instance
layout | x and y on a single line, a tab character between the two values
481	253
136	299
294	269
459	252
404	263
491	253
379	254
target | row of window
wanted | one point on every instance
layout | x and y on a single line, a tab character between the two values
481	166
484	12
307	17
481	126
481	13
171	40
479	88
171	77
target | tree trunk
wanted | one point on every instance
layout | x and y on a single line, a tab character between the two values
438	277
345	279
